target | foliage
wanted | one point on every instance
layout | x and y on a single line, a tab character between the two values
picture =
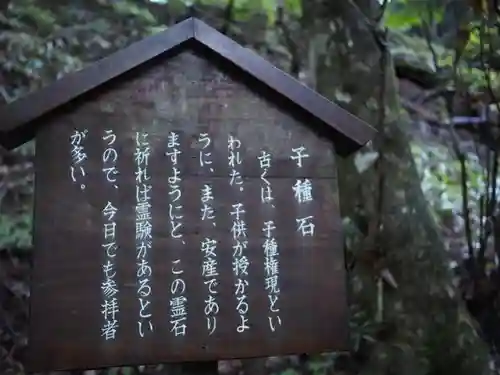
441	178
15	230
406	14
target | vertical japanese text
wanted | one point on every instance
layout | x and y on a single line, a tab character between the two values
143	232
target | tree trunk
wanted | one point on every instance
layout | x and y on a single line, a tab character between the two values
418	325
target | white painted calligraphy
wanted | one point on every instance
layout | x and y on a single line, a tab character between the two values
271	269
266	194
109	158
207	197
305	226
303	193
178	299
78	156
175	193
270	247
234	161
204	155
239	233
299	154
209	269
143	232
110	307
209	272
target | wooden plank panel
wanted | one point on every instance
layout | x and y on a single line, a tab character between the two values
71	261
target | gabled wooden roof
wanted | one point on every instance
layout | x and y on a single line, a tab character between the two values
17	120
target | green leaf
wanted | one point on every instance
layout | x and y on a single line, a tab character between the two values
405	14
363	161
289	371
130	9
403	19
15	231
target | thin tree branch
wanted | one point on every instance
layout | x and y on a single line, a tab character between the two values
228	17
292	46
455	141
493	164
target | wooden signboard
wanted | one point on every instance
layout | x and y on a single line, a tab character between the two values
186	207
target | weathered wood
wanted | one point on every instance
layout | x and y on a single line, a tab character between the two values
172	97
